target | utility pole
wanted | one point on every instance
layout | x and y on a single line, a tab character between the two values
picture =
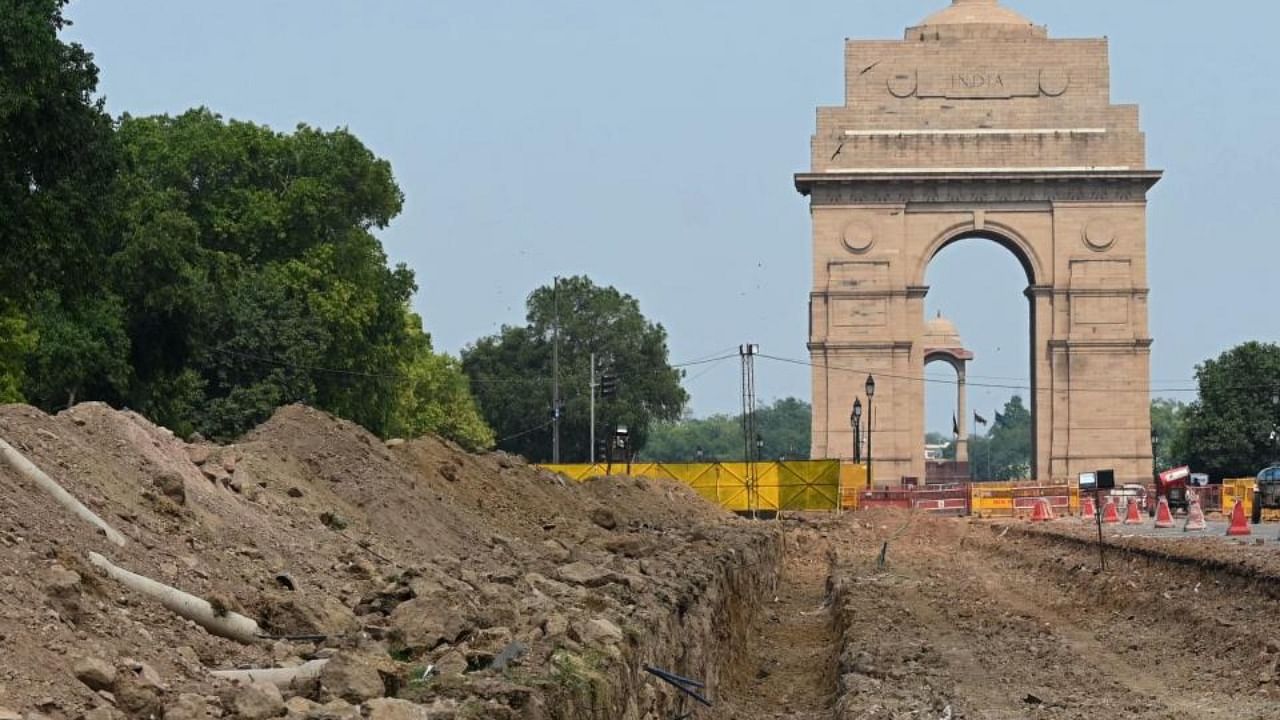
592	446
555	371
748	352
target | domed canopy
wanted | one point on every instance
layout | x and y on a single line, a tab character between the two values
942	338
976	11
941	333
975	18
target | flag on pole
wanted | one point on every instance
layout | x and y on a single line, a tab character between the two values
979	419
955	425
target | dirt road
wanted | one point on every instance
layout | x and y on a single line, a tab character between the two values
970	621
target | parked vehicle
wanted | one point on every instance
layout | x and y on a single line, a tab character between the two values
1133	492
1172	485
1266	492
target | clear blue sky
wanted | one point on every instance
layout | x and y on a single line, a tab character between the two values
651	146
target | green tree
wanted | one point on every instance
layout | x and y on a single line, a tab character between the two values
511	371
58	160
82	351
17	341
252	278
785	426
437	398
1229	428
1005	452
202	271
1168	429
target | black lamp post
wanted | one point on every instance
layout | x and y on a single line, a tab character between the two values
1155	452
855	423
871	418
1275	425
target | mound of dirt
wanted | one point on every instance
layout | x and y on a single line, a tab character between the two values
464	583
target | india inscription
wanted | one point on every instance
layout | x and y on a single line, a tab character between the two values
978	83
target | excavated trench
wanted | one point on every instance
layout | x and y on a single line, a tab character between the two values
967	620
757	629
702	638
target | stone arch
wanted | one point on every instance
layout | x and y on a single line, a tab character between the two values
1003	235
943	356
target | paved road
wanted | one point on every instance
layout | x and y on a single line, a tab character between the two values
1216	531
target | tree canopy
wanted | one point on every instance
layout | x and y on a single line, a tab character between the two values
1231	427
58	163
511	371
1168	430
785	427
200	270
1004	453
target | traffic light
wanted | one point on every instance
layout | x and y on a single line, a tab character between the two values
609	386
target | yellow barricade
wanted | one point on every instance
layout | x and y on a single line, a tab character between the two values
1007	499
773	486
1239	489
853	480
991	499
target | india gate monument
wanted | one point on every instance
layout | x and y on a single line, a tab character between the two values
979	124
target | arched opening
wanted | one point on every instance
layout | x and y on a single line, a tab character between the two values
979	365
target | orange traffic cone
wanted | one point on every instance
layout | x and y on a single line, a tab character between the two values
1195	518
1164	517
1239	524
1132	516
1088	511
1110	514
1041	513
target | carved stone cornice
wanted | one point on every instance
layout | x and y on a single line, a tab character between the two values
977	187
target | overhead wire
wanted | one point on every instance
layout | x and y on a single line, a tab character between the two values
530	431
1075	387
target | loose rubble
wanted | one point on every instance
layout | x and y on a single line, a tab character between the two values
431	582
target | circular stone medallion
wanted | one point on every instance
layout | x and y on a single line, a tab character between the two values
1100	234
903	84
858	237
1054	81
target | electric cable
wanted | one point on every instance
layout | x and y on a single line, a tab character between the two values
1001	386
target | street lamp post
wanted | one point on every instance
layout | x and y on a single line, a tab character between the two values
855	424
1155	452
871	419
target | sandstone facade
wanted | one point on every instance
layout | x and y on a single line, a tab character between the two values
978	123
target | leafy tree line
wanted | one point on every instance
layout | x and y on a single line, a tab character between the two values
1003	452
785	427
512	372
1232	428
199	270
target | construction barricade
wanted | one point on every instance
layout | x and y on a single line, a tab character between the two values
737	487
1242	490
853	481
1232	490
1019	499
